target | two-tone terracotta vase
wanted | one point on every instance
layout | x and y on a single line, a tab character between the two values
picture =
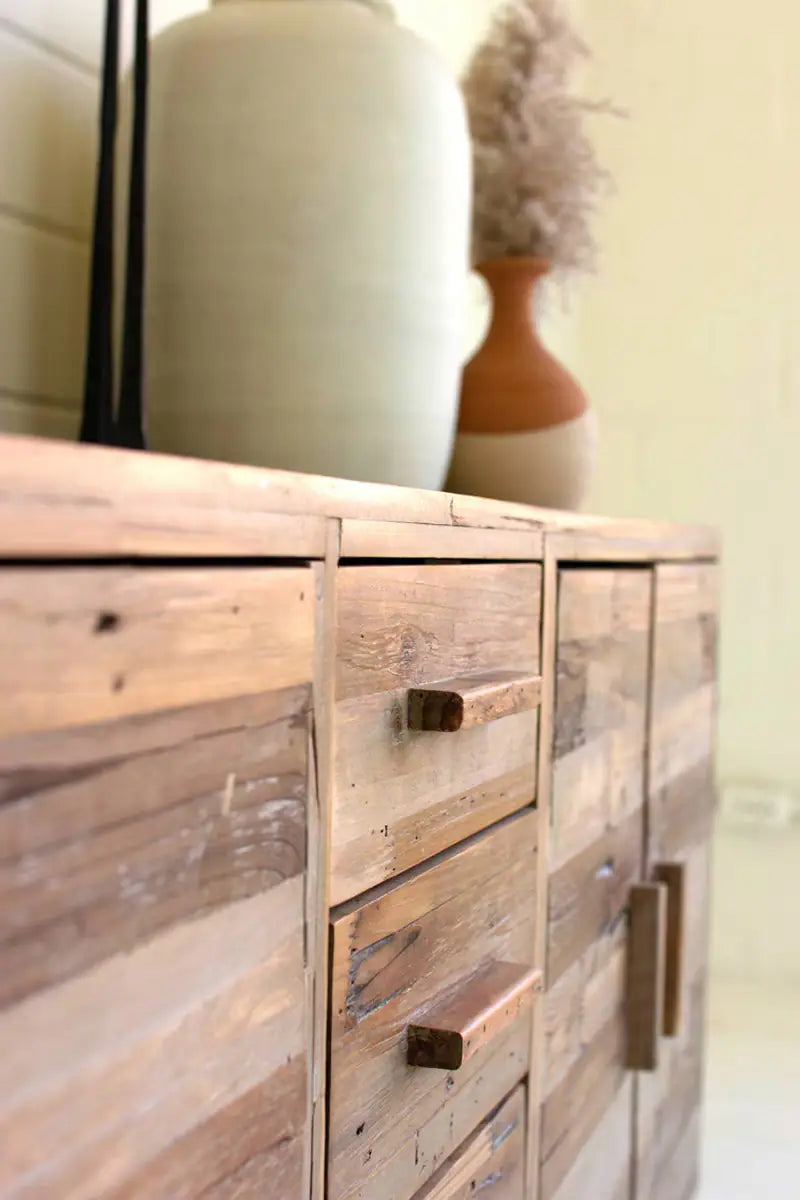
525	430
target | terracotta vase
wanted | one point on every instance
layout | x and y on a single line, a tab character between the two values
525	430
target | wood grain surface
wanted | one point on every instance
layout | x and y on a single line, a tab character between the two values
401	539
681	806
394	952
83	645
401	796
491	1163
544	779
464	703
113	833
63	500
603	1170
596	848
155	1024
470	1014
167	1072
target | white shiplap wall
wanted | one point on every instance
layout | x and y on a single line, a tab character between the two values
49	69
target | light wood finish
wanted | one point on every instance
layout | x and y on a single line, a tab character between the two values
491	1163
86	645
471	701
394	952
596	843
544	768
467	1016
154	1034
203	748
401	796
646	973
319	844
680	808
673	876
114	833
603	1170
399	539
630	541
60	500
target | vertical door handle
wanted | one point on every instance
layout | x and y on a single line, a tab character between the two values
673	876
645	974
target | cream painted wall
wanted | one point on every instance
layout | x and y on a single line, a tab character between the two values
689	339
689	343
49	65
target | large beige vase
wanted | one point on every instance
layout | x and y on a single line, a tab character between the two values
525	429
309	192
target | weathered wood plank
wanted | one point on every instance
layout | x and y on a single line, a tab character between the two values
544	778
465	703
400	795
583	1001
113	833
110	1073
596	857
83	500
320	814
646	962
589	894
393	952
255	1147
681	797
580	1101
491	1163
601	702
466	1017
669	1104
419	624
602	1167
80	645
400	539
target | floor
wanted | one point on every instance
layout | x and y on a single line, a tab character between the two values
752	1114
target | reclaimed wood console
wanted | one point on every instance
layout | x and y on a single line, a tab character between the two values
354	841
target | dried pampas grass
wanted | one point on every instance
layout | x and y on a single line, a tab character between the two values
537	179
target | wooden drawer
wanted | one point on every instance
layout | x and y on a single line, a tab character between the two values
401	794
491	1164
153	1032
420	953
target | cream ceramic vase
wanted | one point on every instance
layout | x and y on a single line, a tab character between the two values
308	223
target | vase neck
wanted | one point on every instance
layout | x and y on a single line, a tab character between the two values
513	284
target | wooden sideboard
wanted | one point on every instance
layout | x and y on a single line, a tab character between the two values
354	841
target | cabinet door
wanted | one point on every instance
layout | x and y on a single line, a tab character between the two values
680	811
596	848
153	797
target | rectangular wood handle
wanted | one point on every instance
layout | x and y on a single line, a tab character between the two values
645	974
673	876
466	1017
472	700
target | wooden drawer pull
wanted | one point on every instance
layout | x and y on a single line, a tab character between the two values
473	700
673	875
466	1017
645	971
